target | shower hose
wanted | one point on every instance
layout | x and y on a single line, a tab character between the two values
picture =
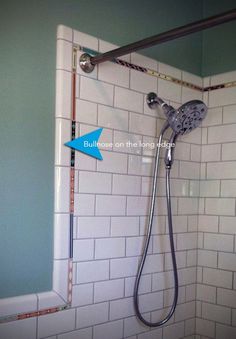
149	231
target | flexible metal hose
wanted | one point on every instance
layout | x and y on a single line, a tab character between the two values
144	255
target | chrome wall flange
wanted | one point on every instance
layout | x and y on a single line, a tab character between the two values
85	63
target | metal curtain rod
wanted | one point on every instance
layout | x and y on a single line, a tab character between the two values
87	62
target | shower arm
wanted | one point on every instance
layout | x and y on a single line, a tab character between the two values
87	62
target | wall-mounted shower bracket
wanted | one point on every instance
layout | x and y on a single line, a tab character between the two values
85	63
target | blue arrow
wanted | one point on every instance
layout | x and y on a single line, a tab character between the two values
87	144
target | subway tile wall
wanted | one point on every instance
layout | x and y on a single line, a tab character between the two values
112	198
216	294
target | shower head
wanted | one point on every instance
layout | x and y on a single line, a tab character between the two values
184	119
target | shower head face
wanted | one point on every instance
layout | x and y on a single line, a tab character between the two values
188	117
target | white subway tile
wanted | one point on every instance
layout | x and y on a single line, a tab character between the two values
205	328
84	204
192	223
134	246
63	94
126	184
169	90
154	334
210	153
127	142
217	277
92	271
227	261
227	225
108	290
161	243
180	223
209	188
182	151
113	162
223	133
162	281
195	153
187	275
174	331
83	249
213	117
192	78
228	188
105	46
56	323
114	73
151	301
223	331
93	227
121	308
123	267
124	226
64	55
143	61
229	151
105	140
142	82
169	70
191	292
20	329
185	311
144	287
86	112
137	205
218	242
224	96
140	165
92	182
189	94
190	328
207	258
208	223
142	124
189	170
220	206
169	296
82	295
192	256
206	293
226	297
85	333
84	162
154	263
133	326
229	114
158	225
102	92
84	39
61	184
223	77
204	135
61	236
64	32
112	330
221	170
62	153
109	248
128	100
112	118
180	258
194	137
91	315
110	205
188	206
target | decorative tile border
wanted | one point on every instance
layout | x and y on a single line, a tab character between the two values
160	75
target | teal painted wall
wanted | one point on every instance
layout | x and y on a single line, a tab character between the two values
219	43
27	82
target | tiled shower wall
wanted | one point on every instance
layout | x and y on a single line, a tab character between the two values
216	288
112	197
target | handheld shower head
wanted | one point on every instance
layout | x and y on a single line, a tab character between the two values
184	119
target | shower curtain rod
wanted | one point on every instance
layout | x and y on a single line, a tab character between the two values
87	62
